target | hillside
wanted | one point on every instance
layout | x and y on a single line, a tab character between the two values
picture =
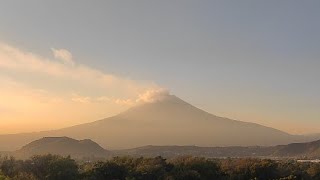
62	146
88	149
309	150
170	121
210	152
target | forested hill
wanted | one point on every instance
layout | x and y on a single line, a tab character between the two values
63	146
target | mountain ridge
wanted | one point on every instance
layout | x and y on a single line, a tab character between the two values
90	150
170	121
309	150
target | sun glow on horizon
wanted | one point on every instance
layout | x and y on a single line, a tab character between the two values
40	93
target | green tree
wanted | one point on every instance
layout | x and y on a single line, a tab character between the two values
314	171
152	168
3	177
11	167
195	168
52	167
24	176
105	171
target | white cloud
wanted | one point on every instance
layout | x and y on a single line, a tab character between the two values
18	61
64	55
82	99
126	102
153	95
37	88
148	96
103	99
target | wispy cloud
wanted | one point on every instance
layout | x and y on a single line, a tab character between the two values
17	60
64	55
153	95
62	91
148	96
126	102
14	59
81	99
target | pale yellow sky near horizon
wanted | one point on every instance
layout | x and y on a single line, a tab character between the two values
44	93
40	93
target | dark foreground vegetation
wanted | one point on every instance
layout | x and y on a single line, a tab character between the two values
181	168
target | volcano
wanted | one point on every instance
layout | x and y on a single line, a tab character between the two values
169	121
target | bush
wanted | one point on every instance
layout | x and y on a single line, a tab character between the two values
52	167
195	168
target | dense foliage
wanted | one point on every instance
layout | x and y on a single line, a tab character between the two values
53	167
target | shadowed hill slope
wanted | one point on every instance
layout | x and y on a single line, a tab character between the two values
310	150
62	146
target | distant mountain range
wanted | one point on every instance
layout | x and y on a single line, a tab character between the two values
310	150
170	121
87	149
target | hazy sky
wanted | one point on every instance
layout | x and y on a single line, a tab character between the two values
68	62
